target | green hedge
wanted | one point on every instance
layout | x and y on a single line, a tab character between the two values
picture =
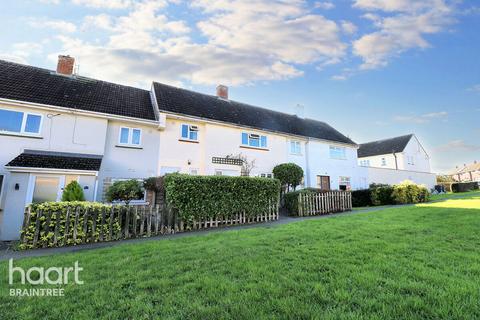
46	239
381	194
464	186
291	200
362	198
200	197
409	192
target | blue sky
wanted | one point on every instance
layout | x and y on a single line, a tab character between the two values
371	68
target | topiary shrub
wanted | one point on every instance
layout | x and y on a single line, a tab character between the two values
409	192
362	198
381	194
289	174
201	197
73	192
125	191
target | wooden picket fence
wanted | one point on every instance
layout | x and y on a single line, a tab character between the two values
79	226
313	204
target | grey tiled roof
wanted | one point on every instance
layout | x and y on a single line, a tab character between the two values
32	84
56	160
186	102
386	146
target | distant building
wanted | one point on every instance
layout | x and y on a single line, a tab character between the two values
467	173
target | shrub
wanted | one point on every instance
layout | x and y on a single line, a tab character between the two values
362	198
73	192
409	192
125	191
381	194
291	200
59	211
289	174
200	197
464	186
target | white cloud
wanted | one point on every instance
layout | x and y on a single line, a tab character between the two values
243	41
105	4
474	88
348	27
456	146
404	30
325	5
423	118
21	51
59	25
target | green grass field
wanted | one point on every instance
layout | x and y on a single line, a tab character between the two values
419	262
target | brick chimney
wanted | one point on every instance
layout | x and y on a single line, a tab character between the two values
222	91
65	65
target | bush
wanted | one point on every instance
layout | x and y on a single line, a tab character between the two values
291	200
73	192
125	191
46	239
381	194
289	174
201	197
464	186
362	198
409	192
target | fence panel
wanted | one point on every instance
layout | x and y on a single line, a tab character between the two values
318	203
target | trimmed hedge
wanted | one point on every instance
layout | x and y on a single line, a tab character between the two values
291	199
464	186
362	198
381	194
409	192
46	239
201	197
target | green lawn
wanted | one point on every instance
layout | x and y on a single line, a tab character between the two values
449	195
419	262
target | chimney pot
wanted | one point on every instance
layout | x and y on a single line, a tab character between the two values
222	91
65	65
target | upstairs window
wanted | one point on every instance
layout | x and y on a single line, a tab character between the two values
130	136
384	162
20	122
295	147
189	132
410	160
338	153
254	140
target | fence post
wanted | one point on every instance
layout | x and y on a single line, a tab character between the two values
26	222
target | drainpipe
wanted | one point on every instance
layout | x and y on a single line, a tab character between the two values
307	164
396	161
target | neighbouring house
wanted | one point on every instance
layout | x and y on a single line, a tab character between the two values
391	161
56	126
466	173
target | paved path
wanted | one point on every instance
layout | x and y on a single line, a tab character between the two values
6	252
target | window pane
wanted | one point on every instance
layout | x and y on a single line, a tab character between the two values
124	135
263	141
32	124
254	142
244	138
46	189
136	136
185	131
11	121
193	135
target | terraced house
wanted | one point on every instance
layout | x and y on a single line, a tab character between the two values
56	127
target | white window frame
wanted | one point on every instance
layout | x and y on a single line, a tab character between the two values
130	137
190	128
137	202
343	149
254	136
31	186
24	123
297	150
383	162
268	175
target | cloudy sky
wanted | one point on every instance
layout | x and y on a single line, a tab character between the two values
371	68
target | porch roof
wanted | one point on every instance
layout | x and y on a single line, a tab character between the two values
56	160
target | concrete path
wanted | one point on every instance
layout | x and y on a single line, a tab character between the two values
6	251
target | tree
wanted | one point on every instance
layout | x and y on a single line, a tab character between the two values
125	191
444	178
289	174
73	192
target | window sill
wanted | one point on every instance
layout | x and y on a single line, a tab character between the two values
20	135
254	148
187	140
126	146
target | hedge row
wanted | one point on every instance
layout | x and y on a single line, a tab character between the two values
45	239
383	194
291	199
200	197
464	186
